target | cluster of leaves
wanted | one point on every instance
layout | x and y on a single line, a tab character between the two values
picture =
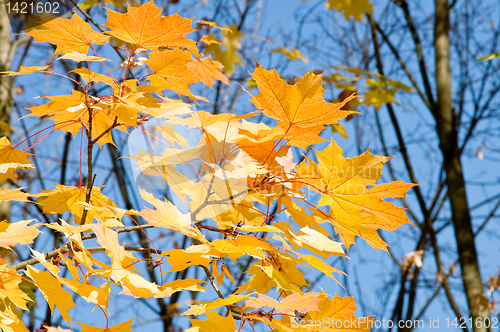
354	8
243	168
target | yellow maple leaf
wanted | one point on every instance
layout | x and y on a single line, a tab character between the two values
311	239
17	233
295	302
279	271
9	287
66	198
89	76
122	327
79	57
354	8
175	286
24	70
170	71
181	259
208	70
69	35
340	309
215	322
10	155
70	114
291	54
15	194
168	216
209	39
145	27
56	329
52	291
91	294
10	322
121	261
301	105
228	56
348	187
203	307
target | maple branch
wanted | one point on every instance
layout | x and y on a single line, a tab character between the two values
433	296
67	248
90	177
446	287
403	66
211	278
101	135
418	49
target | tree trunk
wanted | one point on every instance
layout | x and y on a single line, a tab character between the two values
446	124
5	90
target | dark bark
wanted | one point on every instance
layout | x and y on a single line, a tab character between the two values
447	131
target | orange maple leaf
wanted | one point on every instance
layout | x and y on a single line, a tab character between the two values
11	159
122	327
146	28
17	233
301	105
355	209
70	114
52	291
69	35
171	71
295	302
208	70
66	198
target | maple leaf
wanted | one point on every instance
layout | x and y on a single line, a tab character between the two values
122	327
319	264
9	287
354	8
70	114
79	57
295	302
10	322
181	259
228	56
312	240
91	294
280	271
301	105
203	307
146	28
215	322
69	35
10	155
56	329
120	259
168	216
209	39
208	70
66	198
24	70
340	309
291	54
175	286
17	233
170	71
355	209
15	194
52	291
89	76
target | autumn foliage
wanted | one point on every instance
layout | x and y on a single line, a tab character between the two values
244	168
